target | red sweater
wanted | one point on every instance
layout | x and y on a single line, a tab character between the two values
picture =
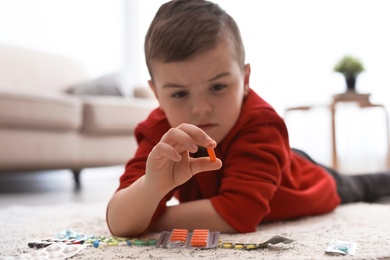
261	179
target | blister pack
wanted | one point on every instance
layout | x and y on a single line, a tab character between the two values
341	247
251	243
198	239
53	251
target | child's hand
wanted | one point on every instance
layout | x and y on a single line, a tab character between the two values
169	164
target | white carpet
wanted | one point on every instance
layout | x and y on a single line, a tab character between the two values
366	224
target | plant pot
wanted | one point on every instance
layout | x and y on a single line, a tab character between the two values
351	84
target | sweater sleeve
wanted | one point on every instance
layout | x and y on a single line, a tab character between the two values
135	167
255	158
148	133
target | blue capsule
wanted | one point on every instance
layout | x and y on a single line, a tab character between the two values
96	244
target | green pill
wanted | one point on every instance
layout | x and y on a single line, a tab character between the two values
138	242
152	242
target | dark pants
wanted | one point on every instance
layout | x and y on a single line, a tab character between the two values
353	188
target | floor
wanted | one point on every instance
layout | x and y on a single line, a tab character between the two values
55	187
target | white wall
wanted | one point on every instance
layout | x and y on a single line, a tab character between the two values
292	47
89	31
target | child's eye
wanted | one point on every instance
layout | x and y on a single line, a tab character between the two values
218	87
180	94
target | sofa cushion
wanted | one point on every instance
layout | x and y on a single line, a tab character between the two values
39	110
115	115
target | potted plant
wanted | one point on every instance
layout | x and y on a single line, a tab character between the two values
350	67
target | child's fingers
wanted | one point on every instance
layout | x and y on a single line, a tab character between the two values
188	136
180	140
198	135
162	149
204	164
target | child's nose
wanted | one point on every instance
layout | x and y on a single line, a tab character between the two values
201	106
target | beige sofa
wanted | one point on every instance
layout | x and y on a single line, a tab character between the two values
43	127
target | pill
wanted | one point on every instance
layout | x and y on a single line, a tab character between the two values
227	245
201	231
113	243
211	153
203	236
181	238
152	242
138	242
238	246
179	231
102	244
250	246
90	241
199	243
179	235
96	243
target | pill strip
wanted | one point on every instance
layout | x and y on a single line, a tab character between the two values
253	243
198	239
95	241
53	251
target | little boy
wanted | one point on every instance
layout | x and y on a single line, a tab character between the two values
196	60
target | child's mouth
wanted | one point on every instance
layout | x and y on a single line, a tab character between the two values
207	127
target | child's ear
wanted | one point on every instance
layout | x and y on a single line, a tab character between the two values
152	87
247	74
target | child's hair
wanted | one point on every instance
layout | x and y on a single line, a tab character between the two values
182	28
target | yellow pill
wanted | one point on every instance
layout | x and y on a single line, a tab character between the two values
112	243
227	245
238	246
250	246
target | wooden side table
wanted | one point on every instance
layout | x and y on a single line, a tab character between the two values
363	100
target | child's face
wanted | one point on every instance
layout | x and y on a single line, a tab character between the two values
206	90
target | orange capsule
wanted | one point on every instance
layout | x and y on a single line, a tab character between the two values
199	242
211	153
